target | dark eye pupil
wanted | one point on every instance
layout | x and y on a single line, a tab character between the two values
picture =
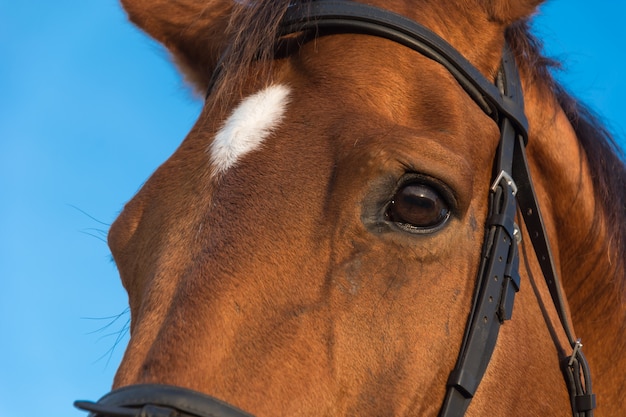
418	205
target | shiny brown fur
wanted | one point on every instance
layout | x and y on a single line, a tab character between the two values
269	288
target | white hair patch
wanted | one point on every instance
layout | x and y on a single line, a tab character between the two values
254	119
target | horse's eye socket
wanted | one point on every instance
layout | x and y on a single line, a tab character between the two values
418	207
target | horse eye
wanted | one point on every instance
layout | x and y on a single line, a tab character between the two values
418	208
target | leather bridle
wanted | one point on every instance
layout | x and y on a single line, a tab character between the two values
498	278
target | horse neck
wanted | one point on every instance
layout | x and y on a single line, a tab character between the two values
592	271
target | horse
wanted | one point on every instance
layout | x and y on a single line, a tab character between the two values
320	243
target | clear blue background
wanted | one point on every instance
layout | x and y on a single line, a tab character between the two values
89	107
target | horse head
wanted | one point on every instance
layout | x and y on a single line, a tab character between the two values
313	245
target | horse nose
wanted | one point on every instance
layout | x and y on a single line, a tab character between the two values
167	343
124	227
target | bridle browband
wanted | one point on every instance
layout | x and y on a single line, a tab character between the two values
498	277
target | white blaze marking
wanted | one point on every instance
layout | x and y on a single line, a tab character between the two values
248	126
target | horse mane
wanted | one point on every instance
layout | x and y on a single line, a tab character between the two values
253	28
252	31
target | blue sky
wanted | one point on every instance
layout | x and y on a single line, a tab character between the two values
89	107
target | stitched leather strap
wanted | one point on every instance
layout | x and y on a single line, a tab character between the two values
154	400
498	278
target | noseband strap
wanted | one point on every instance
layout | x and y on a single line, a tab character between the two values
153	400
498	279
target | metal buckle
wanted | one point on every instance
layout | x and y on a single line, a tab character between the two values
577	347
517	234
503	175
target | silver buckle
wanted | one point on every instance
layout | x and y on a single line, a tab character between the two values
509	180
577	347
517	234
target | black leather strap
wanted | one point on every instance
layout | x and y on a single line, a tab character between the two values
575	367
154	400
342	16
498	278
